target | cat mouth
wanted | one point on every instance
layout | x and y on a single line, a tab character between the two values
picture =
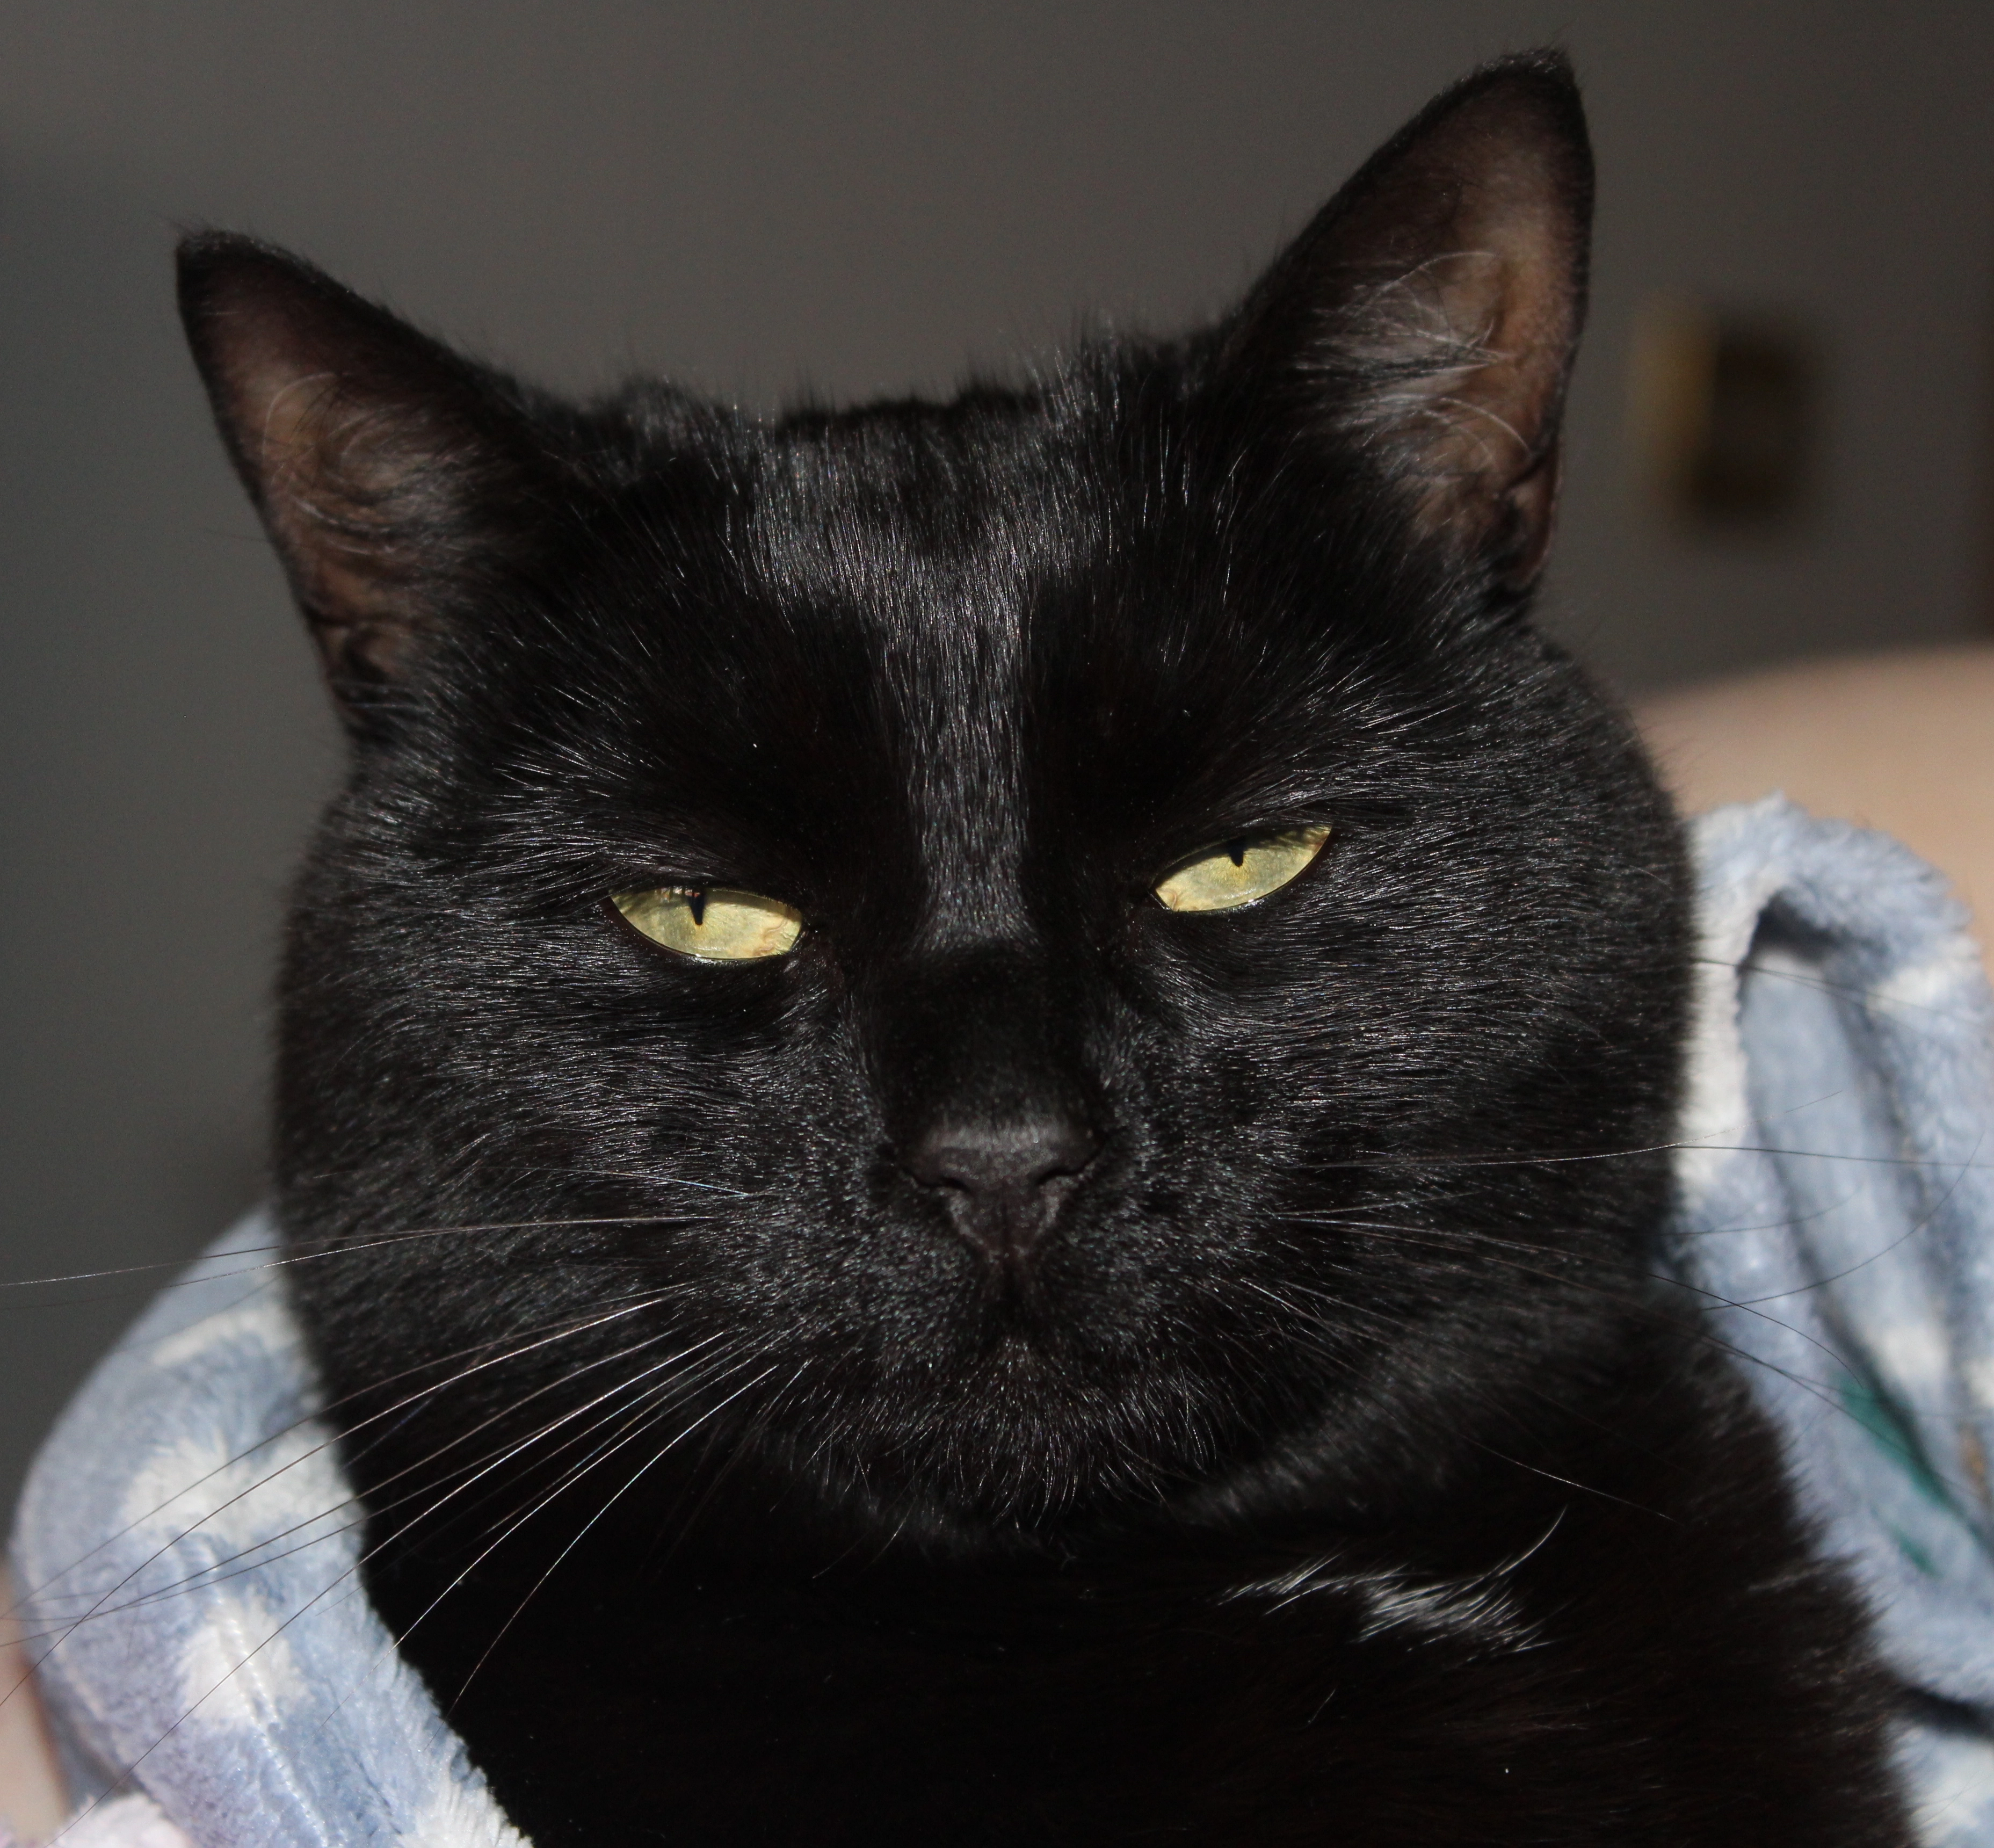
1031	1412
1021	1450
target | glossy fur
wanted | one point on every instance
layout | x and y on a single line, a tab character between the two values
1294	1445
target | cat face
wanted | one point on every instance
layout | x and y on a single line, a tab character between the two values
731	1013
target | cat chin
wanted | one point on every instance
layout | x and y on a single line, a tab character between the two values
1028	1454
998	1473
993	1470
967	1491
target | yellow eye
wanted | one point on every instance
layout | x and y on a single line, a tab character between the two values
715	926
1223	878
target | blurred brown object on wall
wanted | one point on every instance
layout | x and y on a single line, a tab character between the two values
1726	412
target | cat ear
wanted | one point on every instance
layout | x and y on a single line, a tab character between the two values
1431	310
389	471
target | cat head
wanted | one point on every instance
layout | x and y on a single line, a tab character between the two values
987	961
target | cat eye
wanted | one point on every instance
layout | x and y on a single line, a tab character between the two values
1222	878
714	925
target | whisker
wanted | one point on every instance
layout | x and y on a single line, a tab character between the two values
1869	998
348	1248
587	1526
341	1578
1698	1328
101	1606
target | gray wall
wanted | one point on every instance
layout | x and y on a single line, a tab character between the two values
756	197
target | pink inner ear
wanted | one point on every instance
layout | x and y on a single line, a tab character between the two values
332	471
1433	308
1475	343
372	452
316	454
1471	342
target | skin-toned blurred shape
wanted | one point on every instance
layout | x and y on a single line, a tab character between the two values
1904	742
31	1794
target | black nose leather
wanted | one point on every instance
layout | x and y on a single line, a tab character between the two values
1004	1182
1003	1156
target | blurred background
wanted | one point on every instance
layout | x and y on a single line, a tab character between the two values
1780	433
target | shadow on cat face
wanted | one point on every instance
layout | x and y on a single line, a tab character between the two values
1007	1196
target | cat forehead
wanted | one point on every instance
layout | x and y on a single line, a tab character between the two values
952	569
900	618
935	606
913	506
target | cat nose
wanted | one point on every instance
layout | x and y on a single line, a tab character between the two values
989	1158
1004	1182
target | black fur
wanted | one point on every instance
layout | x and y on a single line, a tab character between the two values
1332	1466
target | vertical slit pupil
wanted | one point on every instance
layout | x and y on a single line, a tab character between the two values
696	904
1237	851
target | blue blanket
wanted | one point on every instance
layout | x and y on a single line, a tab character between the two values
186	1545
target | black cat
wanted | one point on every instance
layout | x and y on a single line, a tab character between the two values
974	1096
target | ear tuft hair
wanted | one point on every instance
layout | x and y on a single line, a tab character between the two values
1431	311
